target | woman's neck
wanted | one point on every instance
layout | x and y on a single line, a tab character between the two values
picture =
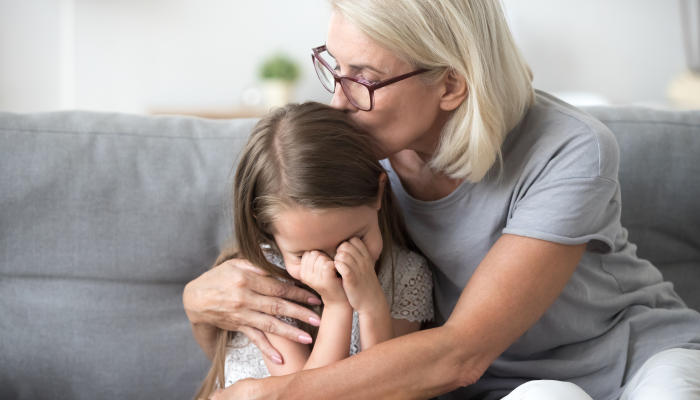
418	179
413	165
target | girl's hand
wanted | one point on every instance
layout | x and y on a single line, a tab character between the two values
318	271
354	263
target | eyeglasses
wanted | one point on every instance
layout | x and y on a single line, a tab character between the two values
359	92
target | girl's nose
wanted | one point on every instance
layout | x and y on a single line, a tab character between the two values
340	101
331	254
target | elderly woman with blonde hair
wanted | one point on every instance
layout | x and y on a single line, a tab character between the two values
513	197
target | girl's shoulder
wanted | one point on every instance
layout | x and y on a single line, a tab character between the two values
407	282
404	260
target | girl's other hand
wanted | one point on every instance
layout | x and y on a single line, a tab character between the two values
354	263
237	296
318	271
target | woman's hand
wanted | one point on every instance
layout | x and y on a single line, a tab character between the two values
318	271
360	282
237	296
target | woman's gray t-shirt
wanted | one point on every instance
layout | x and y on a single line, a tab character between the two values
558	183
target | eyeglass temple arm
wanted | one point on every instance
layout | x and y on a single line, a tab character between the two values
387	82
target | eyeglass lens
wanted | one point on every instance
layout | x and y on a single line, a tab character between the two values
356	93
325	76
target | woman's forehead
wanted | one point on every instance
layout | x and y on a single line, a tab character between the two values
349	45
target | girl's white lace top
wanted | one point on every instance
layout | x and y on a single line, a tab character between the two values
412	300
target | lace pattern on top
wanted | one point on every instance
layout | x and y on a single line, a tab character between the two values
412	301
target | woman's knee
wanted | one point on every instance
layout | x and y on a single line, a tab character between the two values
671	374
547	390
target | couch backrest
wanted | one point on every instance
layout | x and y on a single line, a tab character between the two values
103	220
660	182
105	217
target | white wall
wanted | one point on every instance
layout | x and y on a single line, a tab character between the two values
625	50
29	55
141	55
136	55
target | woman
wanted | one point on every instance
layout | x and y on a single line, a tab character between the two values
513	197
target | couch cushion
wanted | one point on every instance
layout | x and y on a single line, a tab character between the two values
660	182
105	217
103	220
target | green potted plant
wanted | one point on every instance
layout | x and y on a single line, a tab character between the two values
279	74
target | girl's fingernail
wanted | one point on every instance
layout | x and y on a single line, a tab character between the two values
276	360
313	300
305	339
314	321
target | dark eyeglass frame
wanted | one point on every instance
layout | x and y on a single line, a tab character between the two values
371	87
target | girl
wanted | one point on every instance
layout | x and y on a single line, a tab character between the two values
312	205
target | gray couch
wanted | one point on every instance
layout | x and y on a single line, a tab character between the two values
105	217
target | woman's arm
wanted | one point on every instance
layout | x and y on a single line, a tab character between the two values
511	289
238	297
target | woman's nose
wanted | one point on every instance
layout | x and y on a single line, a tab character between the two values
340	101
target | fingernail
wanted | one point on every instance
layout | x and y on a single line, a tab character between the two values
305	339
276	360
314	321
313	300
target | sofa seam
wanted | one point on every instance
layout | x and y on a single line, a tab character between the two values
97	133
624	121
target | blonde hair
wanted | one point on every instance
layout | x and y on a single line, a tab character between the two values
466	37
308	155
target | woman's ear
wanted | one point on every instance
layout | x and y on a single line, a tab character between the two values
380	192
455	91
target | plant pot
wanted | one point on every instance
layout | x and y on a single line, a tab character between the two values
277	92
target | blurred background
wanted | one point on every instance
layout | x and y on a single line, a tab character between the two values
208	57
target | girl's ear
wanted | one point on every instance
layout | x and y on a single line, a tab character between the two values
380	192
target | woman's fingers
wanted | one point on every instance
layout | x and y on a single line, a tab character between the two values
274	326
277	306
260	341
276	288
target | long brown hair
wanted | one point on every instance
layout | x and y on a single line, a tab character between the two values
308	155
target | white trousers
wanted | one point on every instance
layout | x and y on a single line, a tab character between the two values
670	375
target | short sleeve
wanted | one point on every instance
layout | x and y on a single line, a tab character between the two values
569	192
570	211
412	295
